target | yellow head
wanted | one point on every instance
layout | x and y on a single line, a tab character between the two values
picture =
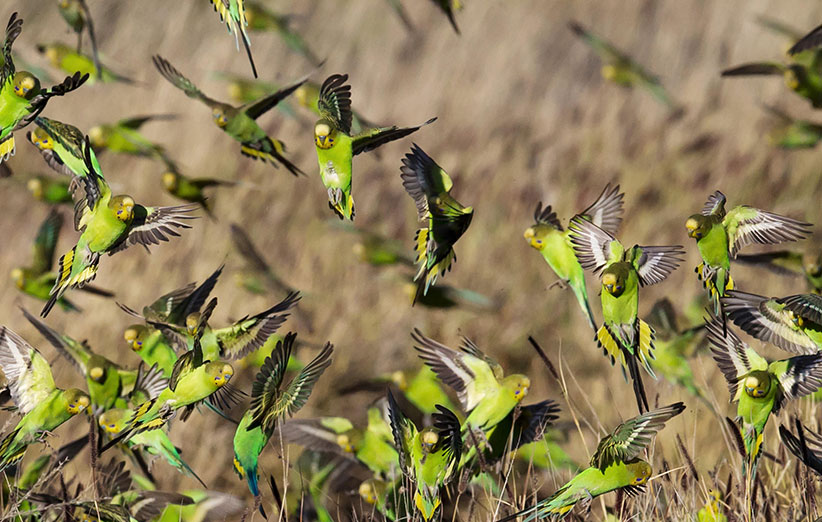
344	442
134	335
97	368
111	421
219	116
26	85
192	321
368	492
535	236
97	136
400	380
797	320
123	207
220	372
429	439
35	186
613	280
325	135
76	401
697	226
757	384
18	277
170	180
641	471
519	384
41	139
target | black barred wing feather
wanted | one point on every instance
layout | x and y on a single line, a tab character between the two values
250	333
756	69
734	358
403	431
606	211
151	225
423	179
594	247
806	306
715	206
798	376
449	441
334	102
546	216
654	263
13	30
38	103
747	225
768	320
373	138
176	78
633	436
810	41
257	108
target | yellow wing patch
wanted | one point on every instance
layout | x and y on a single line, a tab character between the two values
645	350
611	347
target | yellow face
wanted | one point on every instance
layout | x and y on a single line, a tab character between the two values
535	237
324	135
97	137
108	421
757	385
345	443
25	85
399	379
224	375
170	180
77	402
368	492
124	208
219	117
35	186
429	439
96	374
192	320
41	140
17	277
692	225
612	284
522	385
642	472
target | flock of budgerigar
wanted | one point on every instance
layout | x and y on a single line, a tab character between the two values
459	436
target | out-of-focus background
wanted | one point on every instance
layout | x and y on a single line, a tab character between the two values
523	116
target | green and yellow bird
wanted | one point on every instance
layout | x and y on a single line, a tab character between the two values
72	61
790	263
239	122
38	278
712	511
482	389
792	133
428	457
261	18
373	248
21	96
371	447
44	406
270	402
154	442
77	16
152	347
308	96
110	224
243	90
720	236
233	14
623	336
61	146
447	219
49	190
449	7
621	69
616	464
793	323
421	388
124	137
336	145
192	189
554	243
758	387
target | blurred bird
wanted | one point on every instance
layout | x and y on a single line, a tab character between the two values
233	14
446	296
484	392
242	90
71	61
420	388
257	277
44	406
238	122
615	465
124	137
260	18
109	224
787	262
449	7
155	442
270	402
793	323
37	279
712	510
192	189
759	387
77	16
430	188
547	452
624	337
49	190
21	96
719	237
805	445
547	236
620	68
373	248
791	133
429	457
336	146
152	347
386	497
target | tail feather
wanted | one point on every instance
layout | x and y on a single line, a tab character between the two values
639	388
269	151
69	276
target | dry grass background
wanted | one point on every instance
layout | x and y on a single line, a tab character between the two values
523	116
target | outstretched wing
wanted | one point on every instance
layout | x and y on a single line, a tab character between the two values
654	263
768	320
798	445
422	178
715	206
747	225
13	29
403	431
373	138
151	225
632	436
449	442
38	103
74	352
604	50
734	358
594	247
176	306
181	82
261	106
250	333
299	389
799	376
806	306
810	41
45	242
756	69
606	211
334	102
28	374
